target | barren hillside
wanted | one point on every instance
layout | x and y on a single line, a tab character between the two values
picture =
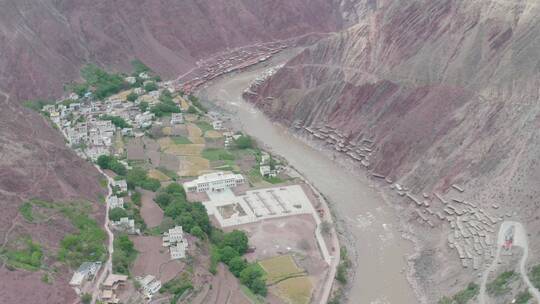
446	90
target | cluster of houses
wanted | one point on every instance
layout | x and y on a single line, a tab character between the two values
82	123
177	243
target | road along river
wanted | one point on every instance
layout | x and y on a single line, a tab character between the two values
371	226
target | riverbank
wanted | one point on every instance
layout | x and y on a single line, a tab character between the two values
370	227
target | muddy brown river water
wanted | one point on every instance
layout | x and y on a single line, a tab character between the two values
371	226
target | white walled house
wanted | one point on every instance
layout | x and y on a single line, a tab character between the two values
214	182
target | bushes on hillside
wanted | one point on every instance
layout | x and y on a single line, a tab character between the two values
138	177
124	254
111	163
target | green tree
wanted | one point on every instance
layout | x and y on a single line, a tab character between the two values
132	97
136	198
227	253
236	265
197	232
236	239
150	86
143	106
116	214
244	142
86	298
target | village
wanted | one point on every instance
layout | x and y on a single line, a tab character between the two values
178	149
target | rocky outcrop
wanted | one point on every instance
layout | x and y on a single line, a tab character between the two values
448	92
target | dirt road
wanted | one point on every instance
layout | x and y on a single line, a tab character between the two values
520	240
108	265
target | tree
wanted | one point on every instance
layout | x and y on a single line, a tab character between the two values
236	265
236	239
132	97
244	142
227	253
163	199
143	106
116	214
258	286
136	198
150	86
86	298
197	232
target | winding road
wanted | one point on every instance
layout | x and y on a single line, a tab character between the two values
108	265
520	240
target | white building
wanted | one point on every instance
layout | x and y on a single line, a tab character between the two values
267	172
217	125
174	239
149	285
214	182
121	184
177	118
178	251
130	79
115	202
86	271
125	225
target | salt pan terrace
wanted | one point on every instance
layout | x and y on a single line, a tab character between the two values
256	205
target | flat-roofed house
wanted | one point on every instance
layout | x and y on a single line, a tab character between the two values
214	182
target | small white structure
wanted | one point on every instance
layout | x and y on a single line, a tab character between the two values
115	202
214	182
130	79
86	271
125	225
144	75
174	239
265	158
177	118
149	285
178	251
217	125
121	184
266	171
127	132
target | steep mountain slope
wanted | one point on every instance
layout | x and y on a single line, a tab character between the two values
447	91
43	44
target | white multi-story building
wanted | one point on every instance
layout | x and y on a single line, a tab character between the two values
214	182
177	118
115	202
178	251
149	285
121	184
174	239
126	225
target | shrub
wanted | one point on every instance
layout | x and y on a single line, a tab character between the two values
151	86
111	163
244	142
117	213
132	97
124	254
136	198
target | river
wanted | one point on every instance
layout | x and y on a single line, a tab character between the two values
371	225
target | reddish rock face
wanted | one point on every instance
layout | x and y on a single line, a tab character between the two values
44	43
447	90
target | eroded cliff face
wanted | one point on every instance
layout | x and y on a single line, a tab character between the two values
448	92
